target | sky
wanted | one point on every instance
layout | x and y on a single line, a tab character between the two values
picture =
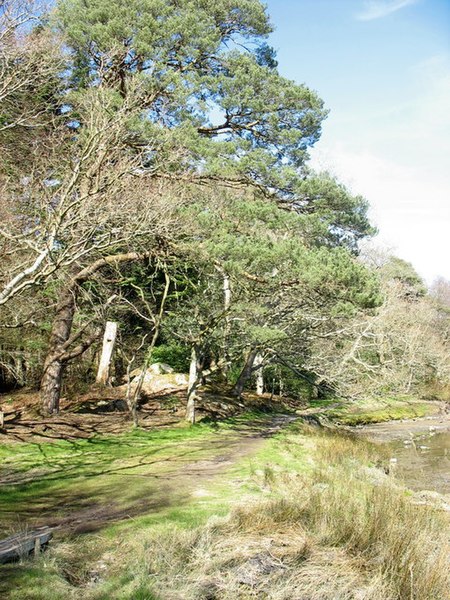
383	69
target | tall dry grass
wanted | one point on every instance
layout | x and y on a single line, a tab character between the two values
344	531
328	525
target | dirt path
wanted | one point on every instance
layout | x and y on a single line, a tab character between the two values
144	484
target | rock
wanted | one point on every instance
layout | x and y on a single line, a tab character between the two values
434	499
160	369
181	379
134	373
152	384
153	369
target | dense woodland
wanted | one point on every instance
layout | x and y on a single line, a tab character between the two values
154	173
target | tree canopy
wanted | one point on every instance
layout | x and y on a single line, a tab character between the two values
156	171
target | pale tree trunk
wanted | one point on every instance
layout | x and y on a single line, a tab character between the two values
132	406
192	386
226	292
109	340
226	306
20	369
53	366
227	326
259	375
245	373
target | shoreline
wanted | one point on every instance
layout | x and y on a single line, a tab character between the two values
397	429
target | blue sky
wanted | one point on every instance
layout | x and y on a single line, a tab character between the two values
383	69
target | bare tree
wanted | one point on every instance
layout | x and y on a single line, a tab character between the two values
30	60
399	347
80	200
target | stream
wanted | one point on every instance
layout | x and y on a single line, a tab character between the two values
420	450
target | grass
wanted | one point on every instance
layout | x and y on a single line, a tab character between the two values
309	515
123	472
334	530
379	411
86	472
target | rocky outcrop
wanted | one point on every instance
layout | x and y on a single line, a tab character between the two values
154	369
158	377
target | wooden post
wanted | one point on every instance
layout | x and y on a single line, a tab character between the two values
109	339
37	546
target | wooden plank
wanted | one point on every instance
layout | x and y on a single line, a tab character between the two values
11	417
22	544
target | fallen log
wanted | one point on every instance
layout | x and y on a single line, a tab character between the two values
22	545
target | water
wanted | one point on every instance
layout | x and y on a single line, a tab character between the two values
424	464
421	449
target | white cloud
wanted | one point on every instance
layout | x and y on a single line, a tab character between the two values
376	9
411	211
397	156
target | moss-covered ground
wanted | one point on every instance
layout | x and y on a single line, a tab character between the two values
375	410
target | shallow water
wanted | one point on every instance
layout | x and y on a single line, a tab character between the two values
424	464
420	449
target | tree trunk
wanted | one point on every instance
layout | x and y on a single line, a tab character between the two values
134	398
130	397
224	357
227	328
245	373
62	327
192	386
53	366
226	292
259	375
109	339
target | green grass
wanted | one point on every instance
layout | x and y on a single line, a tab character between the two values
87	471
121	471
106	470
306	501
335	533
380	411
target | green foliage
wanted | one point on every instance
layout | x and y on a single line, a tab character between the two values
280	379
175	355
381	410
402	272
217	142
228	113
